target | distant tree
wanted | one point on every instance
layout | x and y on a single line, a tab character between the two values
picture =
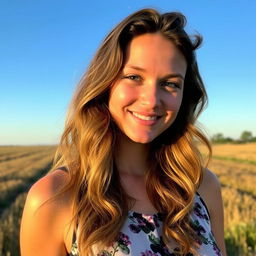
219	138
246	136
229	139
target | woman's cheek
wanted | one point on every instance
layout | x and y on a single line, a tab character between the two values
174	102
125	96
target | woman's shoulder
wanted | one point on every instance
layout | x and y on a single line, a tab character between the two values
210	179
51	182
47	187
44	223
210	189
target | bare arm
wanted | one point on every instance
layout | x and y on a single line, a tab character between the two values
210	189
42	229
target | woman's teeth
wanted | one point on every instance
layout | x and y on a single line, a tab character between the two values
144	117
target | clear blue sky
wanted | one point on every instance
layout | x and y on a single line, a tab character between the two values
46	45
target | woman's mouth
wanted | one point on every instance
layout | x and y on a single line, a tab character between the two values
142	117
148	119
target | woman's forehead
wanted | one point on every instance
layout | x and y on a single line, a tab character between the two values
153	51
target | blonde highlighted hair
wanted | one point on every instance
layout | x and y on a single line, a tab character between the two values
87	145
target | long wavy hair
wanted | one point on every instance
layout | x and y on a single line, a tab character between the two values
86	149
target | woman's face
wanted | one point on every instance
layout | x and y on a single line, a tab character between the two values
145	99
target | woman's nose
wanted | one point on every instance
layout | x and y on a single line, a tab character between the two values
149	95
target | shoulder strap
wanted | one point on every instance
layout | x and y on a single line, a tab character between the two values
204	204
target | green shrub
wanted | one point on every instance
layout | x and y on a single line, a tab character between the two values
241	239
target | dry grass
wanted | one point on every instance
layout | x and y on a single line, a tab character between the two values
238	181
239	151
240	176
235	152
23	166
235	165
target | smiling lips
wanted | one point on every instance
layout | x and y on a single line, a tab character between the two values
148	119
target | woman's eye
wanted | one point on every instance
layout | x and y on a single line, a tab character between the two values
170	84
133	77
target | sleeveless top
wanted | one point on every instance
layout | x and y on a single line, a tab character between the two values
141	235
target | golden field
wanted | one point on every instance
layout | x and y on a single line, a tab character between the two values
240	151
234	164
20	167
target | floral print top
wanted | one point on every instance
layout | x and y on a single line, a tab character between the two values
141	235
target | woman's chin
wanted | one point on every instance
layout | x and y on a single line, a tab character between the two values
141	139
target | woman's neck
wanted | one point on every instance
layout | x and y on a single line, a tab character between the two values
131	157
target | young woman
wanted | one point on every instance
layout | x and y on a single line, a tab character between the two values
128	178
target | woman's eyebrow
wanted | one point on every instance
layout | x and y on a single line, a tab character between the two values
136	67
171	75
174	75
